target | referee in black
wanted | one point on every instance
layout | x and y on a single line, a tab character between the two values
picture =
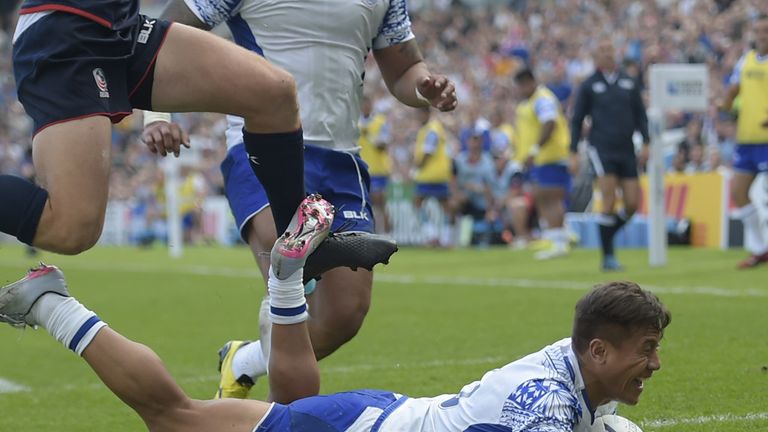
612	99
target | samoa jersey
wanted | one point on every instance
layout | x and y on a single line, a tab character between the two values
543	392
323	44
114	14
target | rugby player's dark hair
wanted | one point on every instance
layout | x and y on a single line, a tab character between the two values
524	75
614	311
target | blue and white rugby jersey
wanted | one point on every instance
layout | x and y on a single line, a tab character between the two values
542	392
323	44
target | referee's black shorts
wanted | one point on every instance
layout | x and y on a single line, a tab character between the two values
621	165
69	67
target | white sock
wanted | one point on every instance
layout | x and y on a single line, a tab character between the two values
754	241
265	330
249	360
558	236
68	321
286	298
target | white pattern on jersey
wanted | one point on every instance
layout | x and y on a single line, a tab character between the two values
542	392
323	44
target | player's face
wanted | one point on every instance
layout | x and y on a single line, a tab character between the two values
761	36
525	89
605	56
629	365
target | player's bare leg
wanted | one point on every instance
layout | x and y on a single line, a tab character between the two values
338	308
132	371
72	162
754	239
550	207
338	305
610	222
195	71
292	365
379	204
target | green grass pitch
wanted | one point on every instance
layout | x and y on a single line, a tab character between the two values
439	319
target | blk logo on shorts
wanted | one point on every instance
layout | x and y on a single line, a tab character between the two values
350	214
101	82
146	30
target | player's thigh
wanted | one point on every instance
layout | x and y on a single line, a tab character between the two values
342	297
73	161
230	415
198	71
608	184
547	195
740	185
630	192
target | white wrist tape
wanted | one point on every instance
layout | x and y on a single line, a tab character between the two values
151	117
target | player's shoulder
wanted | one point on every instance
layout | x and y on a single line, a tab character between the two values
542	401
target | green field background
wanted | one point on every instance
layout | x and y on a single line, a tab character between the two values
438	321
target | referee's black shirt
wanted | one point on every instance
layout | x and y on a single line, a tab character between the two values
617	111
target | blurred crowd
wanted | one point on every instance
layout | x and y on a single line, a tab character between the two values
479	45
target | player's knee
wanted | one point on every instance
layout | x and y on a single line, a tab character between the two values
285	102
278	105
75	237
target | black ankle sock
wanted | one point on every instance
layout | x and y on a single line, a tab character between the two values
277	159
22	206
606	239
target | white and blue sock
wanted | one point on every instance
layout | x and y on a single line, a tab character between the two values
68	321
287	304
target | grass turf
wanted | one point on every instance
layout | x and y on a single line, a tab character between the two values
438	321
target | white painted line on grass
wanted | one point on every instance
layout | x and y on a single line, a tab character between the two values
405	279
701	420
7	386
559	285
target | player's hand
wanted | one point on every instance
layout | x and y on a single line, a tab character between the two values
439	91
163	138
574	165
491	215
644	156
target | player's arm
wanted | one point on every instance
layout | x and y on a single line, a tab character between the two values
409	79
734	85
581	108
385	135
402	66
430	147
641	122
641	117
730	95
547	111
203	14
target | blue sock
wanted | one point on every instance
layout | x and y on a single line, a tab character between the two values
277	159
22	206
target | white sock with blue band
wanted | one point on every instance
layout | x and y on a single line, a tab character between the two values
68	321
287	304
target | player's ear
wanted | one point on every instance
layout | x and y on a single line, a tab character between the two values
597	351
